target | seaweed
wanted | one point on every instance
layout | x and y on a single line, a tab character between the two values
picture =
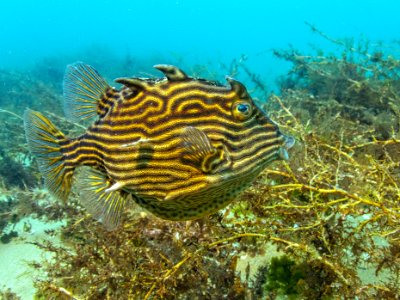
21	89
283	275
14	173
7	237
8	295
359	82
146	258
8	215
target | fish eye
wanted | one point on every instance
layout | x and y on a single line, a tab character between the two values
243	108
242	111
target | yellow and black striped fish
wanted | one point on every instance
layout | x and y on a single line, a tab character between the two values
178	146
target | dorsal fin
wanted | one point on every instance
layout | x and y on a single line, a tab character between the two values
86	93
238	88
172	73
135	84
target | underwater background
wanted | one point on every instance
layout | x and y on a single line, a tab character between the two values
195	32
323	225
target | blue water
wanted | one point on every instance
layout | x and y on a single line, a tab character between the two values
197	32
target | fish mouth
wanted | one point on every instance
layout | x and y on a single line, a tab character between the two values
288	142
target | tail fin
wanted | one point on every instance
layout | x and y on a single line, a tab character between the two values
44	141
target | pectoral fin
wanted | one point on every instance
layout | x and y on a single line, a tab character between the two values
102	197
199	151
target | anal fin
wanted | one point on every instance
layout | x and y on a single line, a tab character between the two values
101	197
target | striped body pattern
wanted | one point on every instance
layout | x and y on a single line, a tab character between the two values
180	147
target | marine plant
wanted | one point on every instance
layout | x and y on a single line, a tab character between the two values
8	295
284	275
358	81
14	173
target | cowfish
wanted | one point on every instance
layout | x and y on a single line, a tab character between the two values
180	147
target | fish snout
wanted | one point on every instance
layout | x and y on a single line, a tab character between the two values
288	142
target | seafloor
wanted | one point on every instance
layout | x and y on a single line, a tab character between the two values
323	225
